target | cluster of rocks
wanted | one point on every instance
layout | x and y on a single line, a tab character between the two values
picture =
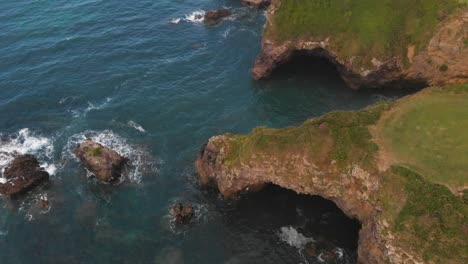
24	173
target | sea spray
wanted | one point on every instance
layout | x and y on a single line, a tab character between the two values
292	237
136	126
140	161
27	142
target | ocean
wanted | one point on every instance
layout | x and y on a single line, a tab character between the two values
149	80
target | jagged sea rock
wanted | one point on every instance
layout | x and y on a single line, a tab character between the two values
412	53
215	16
105	163
23	174
182	213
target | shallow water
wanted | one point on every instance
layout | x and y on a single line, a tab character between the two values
147	79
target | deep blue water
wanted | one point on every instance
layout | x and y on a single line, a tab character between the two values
140	77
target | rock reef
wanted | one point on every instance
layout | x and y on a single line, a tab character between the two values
215	16
105	163
23	174
341	157
417	46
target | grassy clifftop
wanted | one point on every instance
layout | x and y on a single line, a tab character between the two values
415	149
366	29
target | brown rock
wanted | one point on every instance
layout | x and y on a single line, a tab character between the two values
295	172
213	17
105	163
444	60
23	174
256	3
182	213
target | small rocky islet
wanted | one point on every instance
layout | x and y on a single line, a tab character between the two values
411	206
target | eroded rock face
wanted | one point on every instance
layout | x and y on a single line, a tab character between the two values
349	191
182	213
443	61
23	174
256	3
105	163
215	16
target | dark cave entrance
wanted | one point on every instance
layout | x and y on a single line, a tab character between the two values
291	228
309	65
317	65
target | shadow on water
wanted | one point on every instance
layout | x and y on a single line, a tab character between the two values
308	86
277	225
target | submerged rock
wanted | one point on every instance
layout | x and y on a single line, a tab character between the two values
182	213
105	163
256	3
213	17
23	174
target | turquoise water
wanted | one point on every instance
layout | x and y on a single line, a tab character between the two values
146	79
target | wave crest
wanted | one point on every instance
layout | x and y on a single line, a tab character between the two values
27	142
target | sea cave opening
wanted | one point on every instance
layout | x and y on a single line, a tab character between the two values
290	228
318	66
309	65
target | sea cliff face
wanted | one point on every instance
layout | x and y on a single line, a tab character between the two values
406	216
372	44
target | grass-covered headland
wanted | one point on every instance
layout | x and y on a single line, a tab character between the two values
365	29
414	149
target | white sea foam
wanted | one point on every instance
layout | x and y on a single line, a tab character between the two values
27	142
226	33
292	237
141	162
195	17
176	20
136	126
91	107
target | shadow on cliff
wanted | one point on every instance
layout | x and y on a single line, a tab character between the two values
316	68
287	226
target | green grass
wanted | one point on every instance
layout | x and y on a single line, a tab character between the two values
96	152
429	133
342	136
362	28
443	68
425	217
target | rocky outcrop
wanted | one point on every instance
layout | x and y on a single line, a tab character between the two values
105	163
215	16
23	174
349	191
182	213
256	3
339	157
443	60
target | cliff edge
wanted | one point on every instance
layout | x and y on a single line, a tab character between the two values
372	43
398	167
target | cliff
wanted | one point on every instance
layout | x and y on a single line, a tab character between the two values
372	43
398	167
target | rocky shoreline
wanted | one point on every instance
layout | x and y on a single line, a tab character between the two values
442	61
315	159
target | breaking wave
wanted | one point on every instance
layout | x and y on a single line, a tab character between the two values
91	107
292	237
195	17
136	126
27	142
141	162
